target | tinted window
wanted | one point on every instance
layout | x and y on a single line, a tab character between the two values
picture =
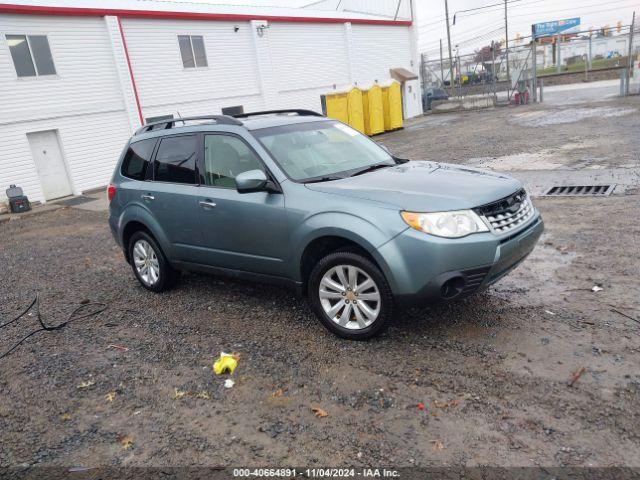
136	160
176	160
225	157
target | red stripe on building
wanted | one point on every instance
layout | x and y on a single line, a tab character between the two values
101	12
133	79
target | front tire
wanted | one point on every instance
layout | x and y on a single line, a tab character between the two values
149	264
350	296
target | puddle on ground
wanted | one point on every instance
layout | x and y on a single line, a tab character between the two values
546	159
537	278
540	118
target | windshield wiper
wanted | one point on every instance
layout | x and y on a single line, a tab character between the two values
323	179
371	168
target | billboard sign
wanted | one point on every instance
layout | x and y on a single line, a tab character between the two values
545	29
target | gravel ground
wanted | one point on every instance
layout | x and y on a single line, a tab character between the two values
492	372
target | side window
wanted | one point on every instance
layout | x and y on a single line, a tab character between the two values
176	160
136	160
225	157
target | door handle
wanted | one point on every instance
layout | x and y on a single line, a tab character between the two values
207	204
148	198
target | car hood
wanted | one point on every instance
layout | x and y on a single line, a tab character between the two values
422	186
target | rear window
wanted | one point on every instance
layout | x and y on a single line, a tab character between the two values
136	160
175	161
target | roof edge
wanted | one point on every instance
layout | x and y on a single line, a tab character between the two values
124	13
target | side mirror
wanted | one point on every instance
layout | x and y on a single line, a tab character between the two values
252	181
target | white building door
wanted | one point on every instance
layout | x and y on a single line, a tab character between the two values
50	165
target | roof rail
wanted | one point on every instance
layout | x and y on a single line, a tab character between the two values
220	119
297	111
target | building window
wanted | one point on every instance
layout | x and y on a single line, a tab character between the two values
31	55
192	51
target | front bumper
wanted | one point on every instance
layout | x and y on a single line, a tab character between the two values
422	268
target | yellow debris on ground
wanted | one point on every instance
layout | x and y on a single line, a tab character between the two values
226	363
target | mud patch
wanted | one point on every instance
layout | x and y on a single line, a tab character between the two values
541	118
432	121
546	159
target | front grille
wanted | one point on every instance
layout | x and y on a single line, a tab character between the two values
507	214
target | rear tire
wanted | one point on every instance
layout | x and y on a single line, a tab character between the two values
149	264
350	296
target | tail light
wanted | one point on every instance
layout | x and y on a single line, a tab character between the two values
111	191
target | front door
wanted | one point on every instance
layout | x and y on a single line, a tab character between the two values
52	171
240	231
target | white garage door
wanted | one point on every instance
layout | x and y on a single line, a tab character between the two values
50	165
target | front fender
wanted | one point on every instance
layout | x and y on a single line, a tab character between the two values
337	224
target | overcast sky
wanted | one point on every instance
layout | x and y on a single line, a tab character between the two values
477	28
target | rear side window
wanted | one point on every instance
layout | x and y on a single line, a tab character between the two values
136	160
176	160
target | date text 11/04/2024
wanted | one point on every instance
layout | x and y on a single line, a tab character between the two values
316	472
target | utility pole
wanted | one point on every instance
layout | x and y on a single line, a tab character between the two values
534	65
451	85
441	66
558	55
630	66
493	69
506	40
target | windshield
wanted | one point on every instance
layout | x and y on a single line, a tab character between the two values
324	150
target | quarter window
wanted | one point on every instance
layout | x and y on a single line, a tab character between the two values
136	160
176	160
225	157
192	51
31	55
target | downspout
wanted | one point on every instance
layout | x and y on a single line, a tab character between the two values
133	80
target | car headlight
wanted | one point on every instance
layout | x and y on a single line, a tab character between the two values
455	224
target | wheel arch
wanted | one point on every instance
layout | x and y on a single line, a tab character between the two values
137	219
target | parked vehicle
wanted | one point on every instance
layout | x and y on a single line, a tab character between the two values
431	94
299	199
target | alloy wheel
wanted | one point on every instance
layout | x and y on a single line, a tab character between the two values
350	297
146	262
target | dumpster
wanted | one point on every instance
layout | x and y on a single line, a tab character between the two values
355	108
336	105
392	105
373	110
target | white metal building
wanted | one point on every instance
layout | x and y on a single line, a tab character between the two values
77	77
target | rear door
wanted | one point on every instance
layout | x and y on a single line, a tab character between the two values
172	196
241	231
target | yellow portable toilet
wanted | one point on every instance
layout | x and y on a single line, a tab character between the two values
356	108
392	105
373	110
336	105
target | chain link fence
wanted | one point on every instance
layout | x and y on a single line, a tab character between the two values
508	75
